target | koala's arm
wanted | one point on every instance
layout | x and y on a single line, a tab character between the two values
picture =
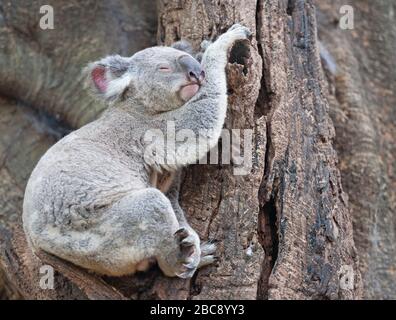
205	113
173	196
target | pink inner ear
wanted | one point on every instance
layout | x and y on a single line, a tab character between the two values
98	77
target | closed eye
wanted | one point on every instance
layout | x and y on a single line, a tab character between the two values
165	69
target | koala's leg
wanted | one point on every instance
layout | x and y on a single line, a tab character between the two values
146	223
207	248
139	227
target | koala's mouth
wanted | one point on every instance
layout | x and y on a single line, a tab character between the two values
188	91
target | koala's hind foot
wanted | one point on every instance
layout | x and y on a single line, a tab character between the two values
188	256
183	255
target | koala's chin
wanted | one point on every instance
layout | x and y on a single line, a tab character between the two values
188	91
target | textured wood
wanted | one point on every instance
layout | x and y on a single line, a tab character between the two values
304	222
22	269
225	206
362	105
302	197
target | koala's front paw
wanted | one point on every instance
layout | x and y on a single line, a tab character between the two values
239	31
235	33
190	253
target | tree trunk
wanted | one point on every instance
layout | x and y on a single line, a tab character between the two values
284	229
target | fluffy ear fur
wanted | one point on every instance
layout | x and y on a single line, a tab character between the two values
184	45
108	78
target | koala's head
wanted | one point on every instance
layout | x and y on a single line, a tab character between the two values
158	78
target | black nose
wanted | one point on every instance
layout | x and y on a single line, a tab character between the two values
192	68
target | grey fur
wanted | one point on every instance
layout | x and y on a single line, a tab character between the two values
90	200
185	46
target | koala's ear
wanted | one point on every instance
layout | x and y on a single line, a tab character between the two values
108	78
184	45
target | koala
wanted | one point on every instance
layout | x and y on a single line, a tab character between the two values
98	198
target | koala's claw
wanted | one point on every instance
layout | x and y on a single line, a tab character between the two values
188	241
185	239
188	273
207	257
181	233
192	255
189	253
208	248
187	246
187	269
213	241
206	260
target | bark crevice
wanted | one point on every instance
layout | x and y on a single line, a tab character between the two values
269	239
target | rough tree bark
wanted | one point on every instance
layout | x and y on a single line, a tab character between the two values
284	229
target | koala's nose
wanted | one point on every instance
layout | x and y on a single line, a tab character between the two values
192	68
